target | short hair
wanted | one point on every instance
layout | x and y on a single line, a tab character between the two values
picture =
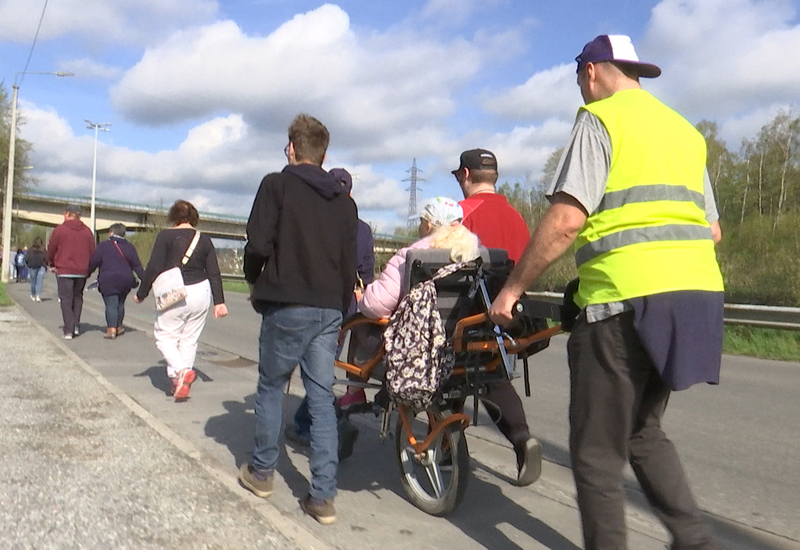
183	212
310	139
118	229
37	242
630	71
483	176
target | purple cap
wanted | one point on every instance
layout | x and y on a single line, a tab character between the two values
618	48
343	177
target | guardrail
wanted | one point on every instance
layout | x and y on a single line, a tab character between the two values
775	317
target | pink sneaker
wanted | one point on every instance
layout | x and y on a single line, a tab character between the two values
355	398
184	382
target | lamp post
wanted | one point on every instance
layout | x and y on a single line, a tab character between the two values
102	127
8	205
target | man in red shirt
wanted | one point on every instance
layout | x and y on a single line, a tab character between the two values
498	225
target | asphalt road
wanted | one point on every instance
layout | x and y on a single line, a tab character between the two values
738	442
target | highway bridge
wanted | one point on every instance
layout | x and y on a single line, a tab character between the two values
47	209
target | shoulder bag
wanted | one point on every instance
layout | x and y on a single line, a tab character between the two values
168	288
134	280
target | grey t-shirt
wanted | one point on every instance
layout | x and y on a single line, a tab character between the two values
582	173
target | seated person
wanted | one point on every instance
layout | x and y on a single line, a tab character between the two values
440	227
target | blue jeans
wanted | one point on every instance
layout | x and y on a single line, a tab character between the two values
37	279
115	309
304	335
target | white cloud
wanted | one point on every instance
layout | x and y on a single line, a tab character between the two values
89	68
102	21
546	94
366	89
722	57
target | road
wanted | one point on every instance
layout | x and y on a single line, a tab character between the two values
737	441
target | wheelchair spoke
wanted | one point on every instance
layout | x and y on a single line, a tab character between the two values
435	477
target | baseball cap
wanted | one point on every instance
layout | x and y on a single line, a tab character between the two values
440	211
343	177
73	209
477	159
618	48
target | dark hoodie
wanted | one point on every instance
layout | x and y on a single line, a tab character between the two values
70	248
301	240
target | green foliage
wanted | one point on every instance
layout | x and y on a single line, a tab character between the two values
5	299
144	241
22	148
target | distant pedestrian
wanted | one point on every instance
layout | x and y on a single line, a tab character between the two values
116	261
178	328
19	265
300	263
70	248
36	261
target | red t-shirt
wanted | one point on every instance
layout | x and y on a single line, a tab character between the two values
496	223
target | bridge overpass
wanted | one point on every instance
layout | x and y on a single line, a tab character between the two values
47	209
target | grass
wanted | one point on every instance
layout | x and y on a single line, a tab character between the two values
782	345
5	300
235	286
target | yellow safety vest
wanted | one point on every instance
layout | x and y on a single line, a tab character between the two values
649	233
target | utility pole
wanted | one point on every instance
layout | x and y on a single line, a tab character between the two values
412	196
102	127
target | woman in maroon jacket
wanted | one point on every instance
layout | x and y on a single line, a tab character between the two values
116	260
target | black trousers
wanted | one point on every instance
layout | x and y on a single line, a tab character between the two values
617	400
70	292
508	414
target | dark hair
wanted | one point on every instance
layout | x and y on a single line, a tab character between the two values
629	70
310	139
37	243
483	176
183	212
118	229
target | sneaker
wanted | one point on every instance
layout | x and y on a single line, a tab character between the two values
33	298
249	480
290	432
529	461
348	434
184	382
38	298
355	398
67	337
322	511
76	332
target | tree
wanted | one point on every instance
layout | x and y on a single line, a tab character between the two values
22	148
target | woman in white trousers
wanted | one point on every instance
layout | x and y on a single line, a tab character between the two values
178	328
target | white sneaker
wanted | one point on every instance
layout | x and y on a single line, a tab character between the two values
67	337
38	298
33	298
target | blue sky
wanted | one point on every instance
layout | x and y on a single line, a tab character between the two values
200	92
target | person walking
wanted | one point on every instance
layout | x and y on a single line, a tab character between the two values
36	260
498	225
300	263
115	260
631	189
70	248
19	265
178	328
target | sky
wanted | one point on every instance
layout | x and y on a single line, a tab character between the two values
200	93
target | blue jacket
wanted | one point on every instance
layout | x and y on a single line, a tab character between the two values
115	275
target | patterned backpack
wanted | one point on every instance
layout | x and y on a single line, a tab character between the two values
417	357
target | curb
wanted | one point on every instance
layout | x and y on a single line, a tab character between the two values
284	524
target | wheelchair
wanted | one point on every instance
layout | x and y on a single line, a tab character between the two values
430	444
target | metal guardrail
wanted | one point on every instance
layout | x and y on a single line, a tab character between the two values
774	317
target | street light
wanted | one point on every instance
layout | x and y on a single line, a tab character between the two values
7	207
102	127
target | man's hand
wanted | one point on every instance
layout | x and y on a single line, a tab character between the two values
136	299
501	310
220	310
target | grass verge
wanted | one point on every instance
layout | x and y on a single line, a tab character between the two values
235	286
5	300
783	345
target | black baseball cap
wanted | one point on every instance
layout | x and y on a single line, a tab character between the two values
477	159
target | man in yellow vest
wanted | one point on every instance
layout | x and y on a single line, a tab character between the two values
632	191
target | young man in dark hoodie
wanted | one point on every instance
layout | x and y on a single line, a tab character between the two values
70	248
300	263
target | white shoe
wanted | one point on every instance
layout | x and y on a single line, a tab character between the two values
33	298
38	298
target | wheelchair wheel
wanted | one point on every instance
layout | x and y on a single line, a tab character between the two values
436	481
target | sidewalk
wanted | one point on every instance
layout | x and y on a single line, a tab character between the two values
81	470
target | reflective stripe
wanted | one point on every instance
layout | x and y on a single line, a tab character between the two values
650	193
672	232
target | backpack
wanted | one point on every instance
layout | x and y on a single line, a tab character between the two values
19	260
417	356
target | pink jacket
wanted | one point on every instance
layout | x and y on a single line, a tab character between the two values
381	297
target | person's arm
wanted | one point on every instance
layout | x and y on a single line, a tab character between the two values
349	258
52	246
134	261
556	232
381	297
366	255
95	260
212	271
157	264
261	228
712	215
